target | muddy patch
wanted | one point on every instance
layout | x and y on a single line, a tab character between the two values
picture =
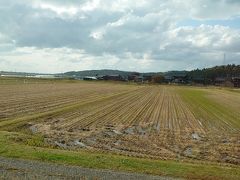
144	141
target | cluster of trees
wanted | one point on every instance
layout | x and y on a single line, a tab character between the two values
203	76
210	74
157	79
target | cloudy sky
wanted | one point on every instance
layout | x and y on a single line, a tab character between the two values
140	35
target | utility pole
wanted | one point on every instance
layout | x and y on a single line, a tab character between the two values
224	59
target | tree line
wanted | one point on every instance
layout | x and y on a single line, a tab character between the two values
210	74
203	76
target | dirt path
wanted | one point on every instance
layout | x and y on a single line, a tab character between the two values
26	169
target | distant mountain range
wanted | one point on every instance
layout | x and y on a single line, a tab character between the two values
23	74
96	73
103	72
81	74
91	73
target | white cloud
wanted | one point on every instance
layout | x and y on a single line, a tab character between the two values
205	38
59	10
98	35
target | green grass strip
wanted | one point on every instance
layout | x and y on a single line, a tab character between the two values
13	149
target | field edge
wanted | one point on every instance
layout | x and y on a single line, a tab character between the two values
99	160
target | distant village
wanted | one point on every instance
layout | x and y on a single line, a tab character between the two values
167	79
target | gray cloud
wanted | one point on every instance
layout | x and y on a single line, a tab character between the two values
124	32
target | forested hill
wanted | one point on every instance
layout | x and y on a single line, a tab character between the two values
104	72
97	72
216	72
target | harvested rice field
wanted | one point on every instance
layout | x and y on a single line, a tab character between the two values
150	121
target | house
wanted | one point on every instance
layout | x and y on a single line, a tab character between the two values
89	78
147	78
219	81
116	77
178	79
133	77
198	80
227	82
168	79
138	79
236	81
